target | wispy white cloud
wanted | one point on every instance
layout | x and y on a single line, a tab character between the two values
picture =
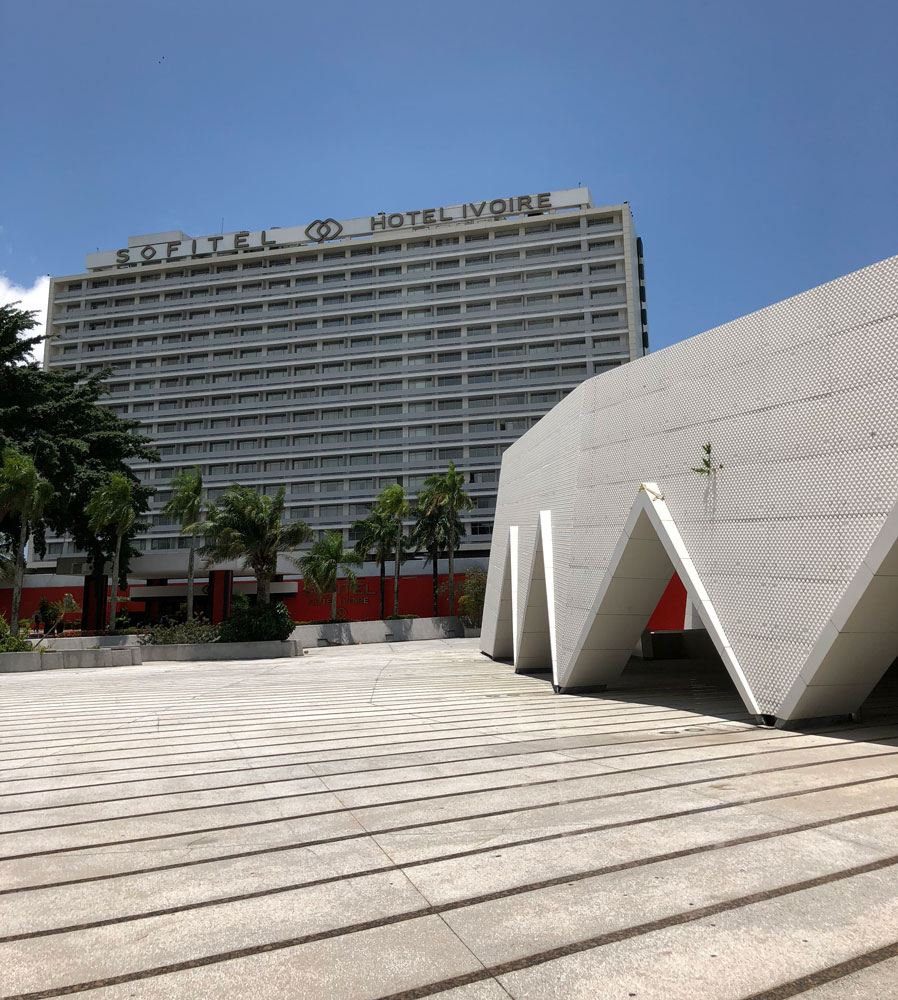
33	297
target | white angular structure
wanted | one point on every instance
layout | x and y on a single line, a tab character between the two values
788	551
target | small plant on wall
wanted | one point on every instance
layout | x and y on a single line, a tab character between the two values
708	467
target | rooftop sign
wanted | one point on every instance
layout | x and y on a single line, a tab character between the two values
174	245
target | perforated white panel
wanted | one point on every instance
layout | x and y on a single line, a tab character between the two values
800	403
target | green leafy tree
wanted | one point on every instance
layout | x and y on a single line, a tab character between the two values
376	535
392	503
248	526
24	496
48	614
447	493
324	562
470	604
15	325
186	505
114	507
75	443
430	534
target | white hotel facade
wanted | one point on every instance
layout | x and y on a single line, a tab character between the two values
339	357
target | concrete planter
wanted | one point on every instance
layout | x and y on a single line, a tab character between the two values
131	655
13	663
70	658
353	633
56	643
222	650
471	631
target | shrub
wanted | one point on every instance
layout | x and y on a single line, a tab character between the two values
193	630
256	623
396	618
48	613
470	604
12	644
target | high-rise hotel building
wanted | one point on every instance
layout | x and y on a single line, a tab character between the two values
338	357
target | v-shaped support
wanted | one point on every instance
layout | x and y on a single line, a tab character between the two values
535	648
503	640
858	643
647	554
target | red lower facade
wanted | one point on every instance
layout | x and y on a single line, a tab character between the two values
361	604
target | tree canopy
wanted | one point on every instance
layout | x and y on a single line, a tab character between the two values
246	525
54	417
322	564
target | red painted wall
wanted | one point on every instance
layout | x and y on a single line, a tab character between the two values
670	614
415	597
31	598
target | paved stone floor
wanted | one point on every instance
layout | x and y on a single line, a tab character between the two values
415	820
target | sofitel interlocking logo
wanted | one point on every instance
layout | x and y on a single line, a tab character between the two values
323	229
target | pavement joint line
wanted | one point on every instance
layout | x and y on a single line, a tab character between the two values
471	900
461	793
249	708
220	728
488	972
585	706
470	852
714	807
249	711
764	736
396	767
639	930
213	746
652	736
830	974
449	725
602	761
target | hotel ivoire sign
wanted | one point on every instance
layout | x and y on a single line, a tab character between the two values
176	245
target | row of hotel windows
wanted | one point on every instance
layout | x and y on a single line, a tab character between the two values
367	343
412	410
332	302
326	440
256	284
257	287
477	479
332	439
568	372
368	250
308	462
362	344
392	293
607	296
519	355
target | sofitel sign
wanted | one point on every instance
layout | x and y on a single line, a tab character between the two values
329	229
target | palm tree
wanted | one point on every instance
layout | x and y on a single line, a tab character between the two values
431	535
324	561
113	507
23	497
247	525
377	535
393	503
186	505
447	493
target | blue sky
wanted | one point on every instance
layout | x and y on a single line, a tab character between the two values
757	143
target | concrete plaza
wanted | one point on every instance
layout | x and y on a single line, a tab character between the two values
413	820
